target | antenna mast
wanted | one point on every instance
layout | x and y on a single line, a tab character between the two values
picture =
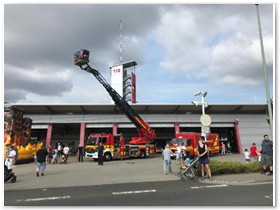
121	42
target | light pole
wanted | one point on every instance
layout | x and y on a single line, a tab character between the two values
202	103
204	119
265	73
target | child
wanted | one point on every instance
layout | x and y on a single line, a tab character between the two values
177	158
187	163
247	156
223	148
54	156
259	155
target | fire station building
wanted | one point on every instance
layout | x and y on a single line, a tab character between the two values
239	124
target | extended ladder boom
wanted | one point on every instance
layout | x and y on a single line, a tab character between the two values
146	134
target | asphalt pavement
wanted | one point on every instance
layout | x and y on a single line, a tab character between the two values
89	173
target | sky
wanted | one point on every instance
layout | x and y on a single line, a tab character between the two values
181	49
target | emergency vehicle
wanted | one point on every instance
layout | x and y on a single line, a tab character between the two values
190	142
115	147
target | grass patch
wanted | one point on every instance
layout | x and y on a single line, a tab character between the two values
229	167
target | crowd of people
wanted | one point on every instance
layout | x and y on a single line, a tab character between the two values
51	156
264	156
225	148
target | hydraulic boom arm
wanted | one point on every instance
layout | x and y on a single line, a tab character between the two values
146	134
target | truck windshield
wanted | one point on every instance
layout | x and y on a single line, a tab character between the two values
176	142
92	141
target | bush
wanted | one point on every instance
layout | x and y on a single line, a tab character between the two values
227	167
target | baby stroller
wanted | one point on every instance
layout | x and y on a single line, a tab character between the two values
187	170
9	175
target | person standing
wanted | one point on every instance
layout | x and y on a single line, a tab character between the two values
177	157
80	152
66	150
8	149
228	148
253	152
16	156
41	157
10	158
54	156
59	149
247	156
50	150
166	157
100	150
267	155
223	148
202	152
181	149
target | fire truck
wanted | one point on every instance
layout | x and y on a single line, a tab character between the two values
114	145
190	142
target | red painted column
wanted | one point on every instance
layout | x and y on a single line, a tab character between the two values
49	134
177	128
238	141
115	128
82	133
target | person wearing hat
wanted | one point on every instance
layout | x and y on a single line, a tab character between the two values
166	157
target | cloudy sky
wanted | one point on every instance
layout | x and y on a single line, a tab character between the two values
180	49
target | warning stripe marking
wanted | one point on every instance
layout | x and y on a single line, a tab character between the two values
209	186
42	199
133	192
269	197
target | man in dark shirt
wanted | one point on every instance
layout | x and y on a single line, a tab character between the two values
41	156
100	150
80	152
267	155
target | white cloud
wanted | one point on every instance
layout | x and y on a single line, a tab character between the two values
219	47
177	44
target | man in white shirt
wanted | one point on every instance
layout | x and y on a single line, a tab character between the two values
66	150
166	160
181	148
10	158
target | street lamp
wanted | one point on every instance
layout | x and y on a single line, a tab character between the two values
202	103
265	73
204	119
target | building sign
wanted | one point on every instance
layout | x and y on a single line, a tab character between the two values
133	88
117	79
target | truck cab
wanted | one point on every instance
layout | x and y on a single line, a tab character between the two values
113	144
190	141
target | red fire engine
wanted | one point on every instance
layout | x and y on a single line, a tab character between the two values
115	147
190	141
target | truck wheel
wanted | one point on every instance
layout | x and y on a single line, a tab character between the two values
142	154
107	156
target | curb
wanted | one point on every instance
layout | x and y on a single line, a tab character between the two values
249	182
214	181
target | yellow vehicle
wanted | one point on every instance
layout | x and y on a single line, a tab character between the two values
17	133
